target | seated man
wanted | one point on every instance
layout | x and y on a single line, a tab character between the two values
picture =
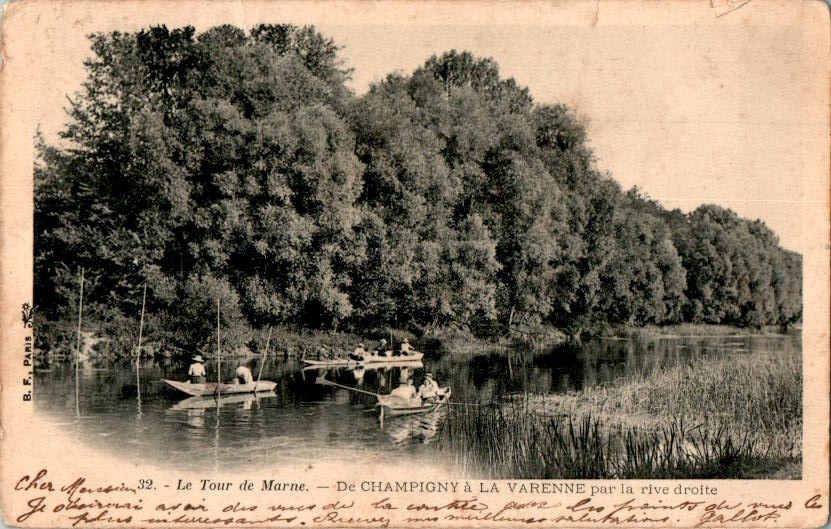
382	348
359	353
244	375
405	347
429	389
323	353
196	372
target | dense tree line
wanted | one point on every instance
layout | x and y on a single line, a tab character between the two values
237	166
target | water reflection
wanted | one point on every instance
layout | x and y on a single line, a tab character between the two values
137	415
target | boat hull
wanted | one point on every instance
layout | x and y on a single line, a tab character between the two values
369	360
212	388
392	406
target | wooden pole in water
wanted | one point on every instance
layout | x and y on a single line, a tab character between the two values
78	345
265	354
218	349
138	352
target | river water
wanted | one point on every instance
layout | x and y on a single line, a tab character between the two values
135	415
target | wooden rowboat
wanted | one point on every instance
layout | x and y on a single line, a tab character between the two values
368	359
337	362
369	366
393	405
212	388
381	359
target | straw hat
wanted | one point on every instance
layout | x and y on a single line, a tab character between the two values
383	340
198	358
361	345
405	340
429	375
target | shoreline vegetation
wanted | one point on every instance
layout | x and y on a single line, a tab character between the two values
58	338
726	417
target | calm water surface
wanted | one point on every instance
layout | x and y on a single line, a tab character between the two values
141	418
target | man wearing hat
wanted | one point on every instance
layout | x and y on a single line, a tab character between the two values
428	389
196	372
359	353
323	353
382	348
405	347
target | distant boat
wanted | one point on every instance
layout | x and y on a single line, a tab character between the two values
212	388
353	364
413	356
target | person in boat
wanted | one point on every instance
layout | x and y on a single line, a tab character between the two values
359	353
407	392
323	353
382	349
244	375
405	347
196	371
428	390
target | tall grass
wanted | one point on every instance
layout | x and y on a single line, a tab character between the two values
730	417
698	330
501	442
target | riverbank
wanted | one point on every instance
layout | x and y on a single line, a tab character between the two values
693	330
101	340
726	417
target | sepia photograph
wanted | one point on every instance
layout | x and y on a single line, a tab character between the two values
558	242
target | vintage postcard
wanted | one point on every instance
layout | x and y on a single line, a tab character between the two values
414	264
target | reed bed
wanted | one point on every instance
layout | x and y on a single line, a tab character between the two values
730	417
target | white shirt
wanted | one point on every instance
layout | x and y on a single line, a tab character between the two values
196	370
244	375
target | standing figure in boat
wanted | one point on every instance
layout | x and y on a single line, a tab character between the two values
405	347
359	353
428	390
382	348
196	371
323	353
244	375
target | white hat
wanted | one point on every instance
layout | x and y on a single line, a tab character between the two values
405	340
198	358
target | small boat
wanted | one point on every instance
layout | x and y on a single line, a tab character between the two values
212	388
410	358
393	405
334	362
383	359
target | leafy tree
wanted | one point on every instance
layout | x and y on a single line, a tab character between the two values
237	166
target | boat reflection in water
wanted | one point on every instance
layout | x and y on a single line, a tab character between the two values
421	428
203	403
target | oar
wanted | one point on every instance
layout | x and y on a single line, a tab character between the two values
218	352
265	354
323	381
